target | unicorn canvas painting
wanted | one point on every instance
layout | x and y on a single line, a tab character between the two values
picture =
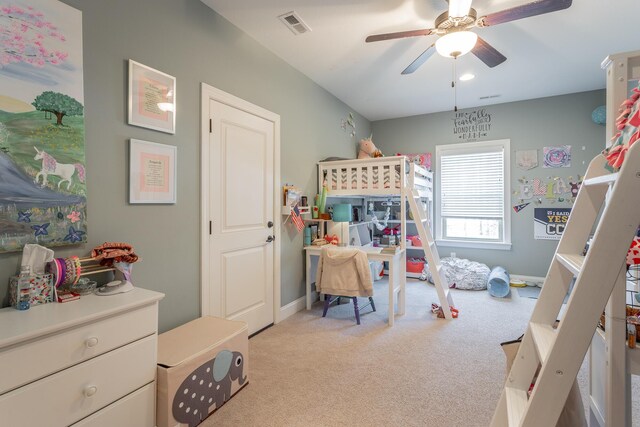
42	193
51	167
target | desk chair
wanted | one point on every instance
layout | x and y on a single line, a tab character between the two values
343	272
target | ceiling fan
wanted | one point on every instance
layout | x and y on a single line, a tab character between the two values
455	38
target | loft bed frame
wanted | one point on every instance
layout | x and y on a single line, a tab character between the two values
382	176
375	177
393	176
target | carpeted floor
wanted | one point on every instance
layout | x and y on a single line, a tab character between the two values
424	371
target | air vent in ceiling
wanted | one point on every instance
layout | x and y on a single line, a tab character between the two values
293	22
490	97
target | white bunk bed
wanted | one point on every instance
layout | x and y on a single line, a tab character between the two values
392	176
382	176
611	363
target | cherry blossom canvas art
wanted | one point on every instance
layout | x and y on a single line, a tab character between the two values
42	148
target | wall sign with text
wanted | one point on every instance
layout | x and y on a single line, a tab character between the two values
471	125
549	224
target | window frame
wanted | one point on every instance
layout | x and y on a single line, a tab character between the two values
475	147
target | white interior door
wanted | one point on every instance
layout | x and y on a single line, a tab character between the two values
241	207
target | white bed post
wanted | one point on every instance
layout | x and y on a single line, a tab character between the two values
403	202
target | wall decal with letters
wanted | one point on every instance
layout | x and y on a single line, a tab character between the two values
471	125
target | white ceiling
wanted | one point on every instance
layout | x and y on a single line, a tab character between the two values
547	55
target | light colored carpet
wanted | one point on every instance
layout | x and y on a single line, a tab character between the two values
424	371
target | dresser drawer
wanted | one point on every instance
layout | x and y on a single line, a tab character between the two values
134	410
24	363
70	395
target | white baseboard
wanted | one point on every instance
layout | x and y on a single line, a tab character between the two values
293	307
535	279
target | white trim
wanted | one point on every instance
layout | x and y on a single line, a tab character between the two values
211	93
459	148
499	246
292	308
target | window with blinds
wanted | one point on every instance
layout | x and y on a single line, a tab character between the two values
472	182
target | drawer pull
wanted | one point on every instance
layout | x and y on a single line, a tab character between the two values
91	342
90	391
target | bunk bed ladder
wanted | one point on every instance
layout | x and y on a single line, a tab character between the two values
555	350
431	252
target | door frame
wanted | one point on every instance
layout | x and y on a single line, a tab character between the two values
210	93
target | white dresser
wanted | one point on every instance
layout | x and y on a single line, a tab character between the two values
90	362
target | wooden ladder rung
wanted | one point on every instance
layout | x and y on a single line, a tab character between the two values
543	337
572	262
601	180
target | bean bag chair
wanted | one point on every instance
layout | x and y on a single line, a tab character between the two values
463	274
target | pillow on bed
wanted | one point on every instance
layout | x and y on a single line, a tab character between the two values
333	159
422	159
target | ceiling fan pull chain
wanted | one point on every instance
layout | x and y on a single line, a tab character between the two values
453	85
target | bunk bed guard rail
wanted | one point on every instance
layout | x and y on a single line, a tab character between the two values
379	176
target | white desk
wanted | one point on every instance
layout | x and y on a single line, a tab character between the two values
397	275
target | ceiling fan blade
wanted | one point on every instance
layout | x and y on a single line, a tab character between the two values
526	10
399	35
488	54
459	8
419	60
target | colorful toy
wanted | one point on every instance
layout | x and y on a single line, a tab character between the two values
628	131
368	149
437	310
332	239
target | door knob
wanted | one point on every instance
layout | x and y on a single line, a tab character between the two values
270	224
271	239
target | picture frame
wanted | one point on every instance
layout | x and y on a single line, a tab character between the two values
152	98
152	172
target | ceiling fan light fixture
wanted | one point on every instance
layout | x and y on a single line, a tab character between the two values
456	43
459	8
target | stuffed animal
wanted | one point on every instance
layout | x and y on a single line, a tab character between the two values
368	149
333	240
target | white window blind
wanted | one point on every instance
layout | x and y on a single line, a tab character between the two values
472	183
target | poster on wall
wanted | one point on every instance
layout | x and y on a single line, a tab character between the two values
42	156
549	224
557	157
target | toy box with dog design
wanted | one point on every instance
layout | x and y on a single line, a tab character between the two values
201	364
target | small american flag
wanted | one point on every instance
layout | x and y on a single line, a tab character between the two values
296	218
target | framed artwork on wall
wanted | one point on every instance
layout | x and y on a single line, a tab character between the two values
43	193
152	98
152	172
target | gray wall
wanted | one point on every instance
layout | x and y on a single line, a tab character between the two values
188	40
560	120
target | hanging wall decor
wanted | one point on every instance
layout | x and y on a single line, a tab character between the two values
152	172
557	157
527	159
549	224
471	125
42	158
518	208
350	123
152	98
